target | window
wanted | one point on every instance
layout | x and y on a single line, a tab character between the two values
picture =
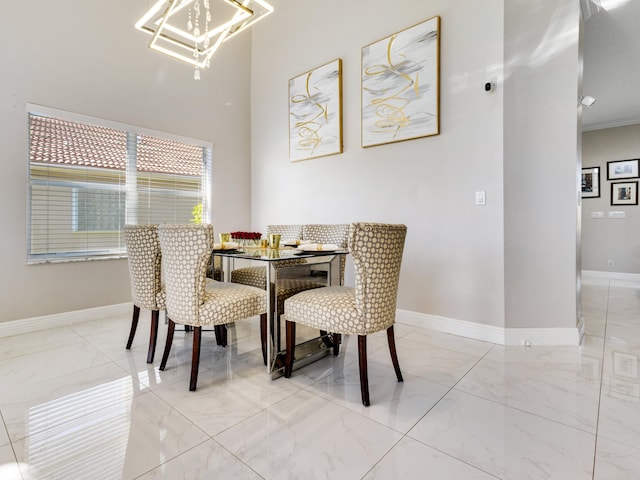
97	210
88	178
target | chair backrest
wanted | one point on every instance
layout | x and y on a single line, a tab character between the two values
186	251
287	232
337	234
143	252
377	250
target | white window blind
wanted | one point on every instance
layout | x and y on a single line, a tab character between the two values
88	180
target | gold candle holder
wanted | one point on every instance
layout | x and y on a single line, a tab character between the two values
224	237
274	240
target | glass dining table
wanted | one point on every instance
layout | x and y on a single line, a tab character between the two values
288	269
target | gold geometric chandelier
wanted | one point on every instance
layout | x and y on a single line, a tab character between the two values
191	31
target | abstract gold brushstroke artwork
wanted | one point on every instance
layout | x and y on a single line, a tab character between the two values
315	112
401	85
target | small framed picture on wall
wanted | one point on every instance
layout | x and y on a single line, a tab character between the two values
624	193
622	169
591	182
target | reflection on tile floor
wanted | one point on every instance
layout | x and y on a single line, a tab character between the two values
75	404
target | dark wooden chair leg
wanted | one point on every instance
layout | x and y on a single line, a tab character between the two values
394	355
263	336
167	346
195	358
221	334
337	340
291	346
187	328
364	376
134	325
153	335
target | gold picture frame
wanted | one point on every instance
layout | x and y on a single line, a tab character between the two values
400	91
315	113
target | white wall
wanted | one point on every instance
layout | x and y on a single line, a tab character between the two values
610	239
453	263
86	57
509	264
541	161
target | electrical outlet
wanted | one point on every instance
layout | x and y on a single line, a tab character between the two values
610	263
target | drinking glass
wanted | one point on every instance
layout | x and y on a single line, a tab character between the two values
274	240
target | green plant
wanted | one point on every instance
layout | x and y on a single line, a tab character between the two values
196	214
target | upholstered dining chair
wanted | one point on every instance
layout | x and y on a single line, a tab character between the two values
337	234
257	276
147	291
367	308
191	300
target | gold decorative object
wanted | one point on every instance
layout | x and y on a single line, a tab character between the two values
315	112
274	240
401	85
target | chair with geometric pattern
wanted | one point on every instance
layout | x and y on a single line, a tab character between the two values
367	308
257	276
194	301
336	234
144	257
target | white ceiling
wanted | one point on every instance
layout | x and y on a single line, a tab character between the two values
612	64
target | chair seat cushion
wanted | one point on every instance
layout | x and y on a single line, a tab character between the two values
252	276
229	302
330	308
287	287
257	276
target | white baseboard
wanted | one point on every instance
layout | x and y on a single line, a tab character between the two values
29	325
616	278
463	328
543	336
490	333
478	331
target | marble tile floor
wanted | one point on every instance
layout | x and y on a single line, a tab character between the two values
74	404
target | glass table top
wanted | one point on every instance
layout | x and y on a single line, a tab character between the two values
271	254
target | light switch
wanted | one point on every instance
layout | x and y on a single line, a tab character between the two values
480	198
597	214
617	215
